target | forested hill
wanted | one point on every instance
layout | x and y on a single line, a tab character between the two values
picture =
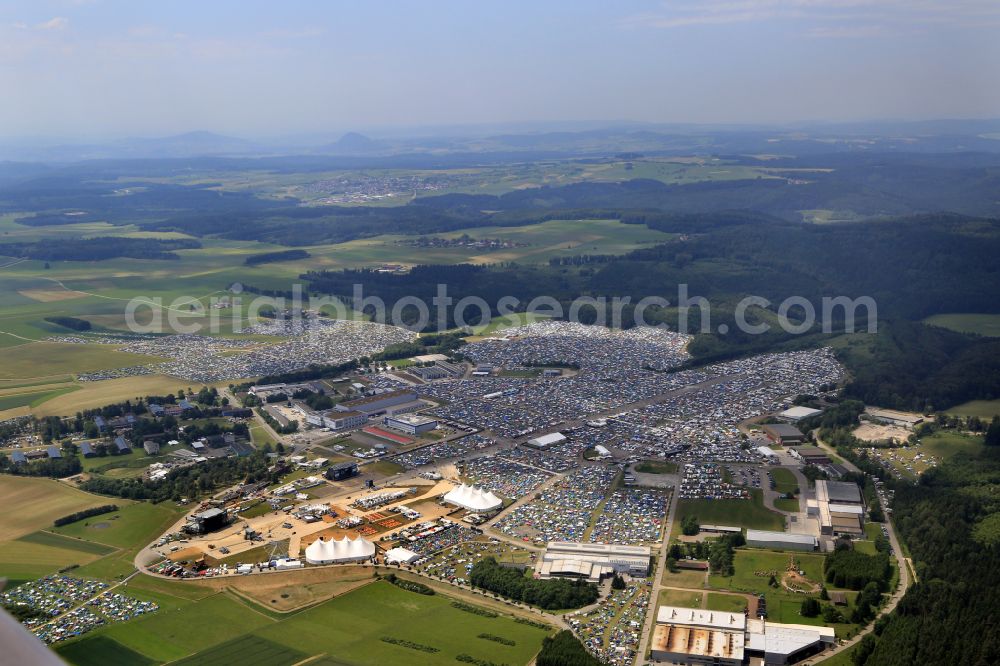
951	524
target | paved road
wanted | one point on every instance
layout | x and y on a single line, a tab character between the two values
654	594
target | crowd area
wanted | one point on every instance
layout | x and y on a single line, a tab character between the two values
60	597
436	452
613	629
564	510
705	481
451	535
631	516
307	340
557	462
504	477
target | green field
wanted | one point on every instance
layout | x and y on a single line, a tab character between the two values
53	540
737	513
100	651
784	480
732	603
216	629
984	409
789	505
130	526
681	598
980	324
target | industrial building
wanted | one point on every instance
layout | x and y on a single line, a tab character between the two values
781	540
592	561
892	417
342	471
783	433
810	455
379	403
345	550
840	508
545	441
473	498
411	424
337	420
694	636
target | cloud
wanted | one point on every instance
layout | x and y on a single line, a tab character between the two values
830	18
55	23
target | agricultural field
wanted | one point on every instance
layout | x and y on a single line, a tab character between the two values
980	324
738	513
350	628
33	503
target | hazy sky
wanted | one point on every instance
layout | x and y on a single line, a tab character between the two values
87	68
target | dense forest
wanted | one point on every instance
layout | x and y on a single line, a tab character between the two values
98	249
949	522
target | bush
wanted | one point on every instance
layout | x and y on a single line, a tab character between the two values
475	610
496	639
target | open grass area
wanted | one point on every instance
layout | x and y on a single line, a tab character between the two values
681	598
751	562
980	324
784	504
212	630
101	650
131	526
31	504
984	409
732	603
738	513
784	480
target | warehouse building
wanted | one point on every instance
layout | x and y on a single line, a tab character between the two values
796	414
592	561
379	403
411	424
810	455
545	441
783	433
840	507
703	637
781	540
892	417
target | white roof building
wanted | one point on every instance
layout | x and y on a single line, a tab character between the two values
798	413
401	555
767	452
545	441
473	498
344	550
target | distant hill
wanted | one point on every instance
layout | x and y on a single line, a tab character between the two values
354	143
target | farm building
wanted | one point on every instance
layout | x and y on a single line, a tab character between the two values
121	446
473	498
18	457
87	450
781	540
150	447
345	550
53	452
783	433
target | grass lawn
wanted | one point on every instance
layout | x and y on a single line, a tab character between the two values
101	650
783	504
784	480
733	512
685	578
733	603
383	467
680	598
749	561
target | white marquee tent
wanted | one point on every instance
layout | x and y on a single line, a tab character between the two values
473	498
344	550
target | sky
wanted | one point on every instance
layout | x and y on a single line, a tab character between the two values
115	68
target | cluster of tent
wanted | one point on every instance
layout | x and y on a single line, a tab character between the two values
344	550
473	498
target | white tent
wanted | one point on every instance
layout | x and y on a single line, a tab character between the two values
473	499
344	550
401	555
